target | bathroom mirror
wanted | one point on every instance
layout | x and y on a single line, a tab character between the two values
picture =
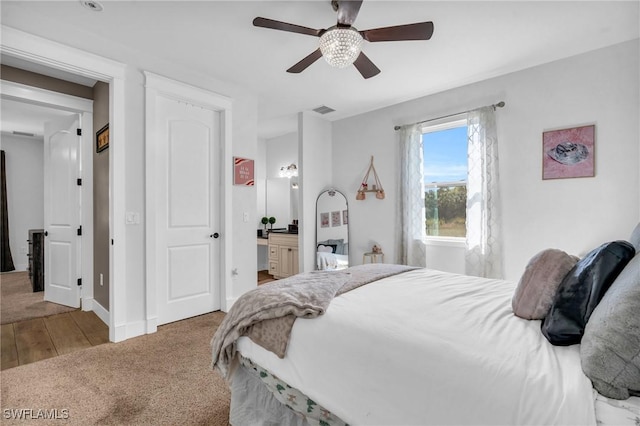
332	231
281	200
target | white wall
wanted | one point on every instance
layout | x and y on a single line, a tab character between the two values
314	152
574	215
244	198
25	192
281	151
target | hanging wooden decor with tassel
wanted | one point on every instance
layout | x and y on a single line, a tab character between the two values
376	187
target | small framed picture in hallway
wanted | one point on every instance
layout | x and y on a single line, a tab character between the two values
102	139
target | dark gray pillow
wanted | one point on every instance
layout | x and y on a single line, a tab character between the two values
610	349
581	291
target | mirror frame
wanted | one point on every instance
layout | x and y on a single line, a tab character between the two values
346	200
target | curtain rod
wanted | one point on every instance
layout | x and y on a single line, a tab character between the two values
497	105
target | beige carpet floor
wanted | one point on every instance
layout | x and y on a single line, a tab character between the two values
163	378
20	303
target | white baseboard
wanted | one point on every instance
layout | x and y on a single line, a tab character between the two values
86	303
132	329
20	267
100	311
152	325
229	303
127	331
135	329
118	333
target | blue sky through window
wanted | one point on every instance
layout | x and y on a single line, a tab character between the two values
445	155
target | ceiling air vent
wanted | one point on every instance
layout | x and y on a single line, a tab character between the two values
323	110
30	135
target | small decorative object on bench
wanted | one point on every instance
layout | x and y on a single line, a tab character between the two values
376	187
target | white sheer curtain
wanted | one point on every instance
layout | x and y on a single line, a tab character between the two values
483	256
411	247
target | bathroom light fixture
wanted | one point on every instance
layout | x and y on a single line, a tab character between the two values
289	171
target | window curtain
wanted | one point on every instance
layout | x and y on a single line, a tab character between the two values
483	257
411	246
7	260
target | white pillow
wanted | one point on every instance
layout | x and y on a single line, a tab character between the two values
325	249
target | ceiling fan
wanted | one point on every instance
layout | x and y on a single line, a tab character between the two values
341	44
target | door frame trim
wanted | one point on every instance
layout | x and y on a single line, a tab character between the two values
51	54
155	85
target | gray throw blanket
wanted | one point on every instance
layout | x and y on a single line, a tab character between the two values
267	313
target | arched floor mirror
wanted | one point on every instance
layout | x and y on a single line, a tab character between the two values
332	230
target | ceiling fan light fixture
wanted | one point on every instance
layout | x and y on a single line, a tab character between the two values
340	46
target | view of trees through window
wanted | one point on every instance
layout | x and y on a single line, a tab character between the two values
445	179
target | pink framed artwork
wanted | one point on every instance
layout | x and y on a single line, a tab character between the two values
335	218
324	220
568	153
243	171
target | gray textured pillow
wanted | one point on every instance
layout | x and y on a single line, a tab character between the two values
610	347
537	287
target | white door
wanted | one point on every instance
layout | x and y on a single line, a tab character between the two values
187	210
62	211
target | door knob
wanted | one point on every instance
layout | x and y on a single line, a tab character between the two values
46	233
214	235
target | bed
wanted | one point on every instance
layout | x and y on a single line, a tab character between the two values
332	255
408	346
326	261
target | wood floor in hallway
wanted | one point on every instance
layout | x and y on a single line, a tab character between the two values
36	339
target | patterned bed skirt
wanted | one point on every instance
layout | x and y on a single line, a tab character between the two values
260	398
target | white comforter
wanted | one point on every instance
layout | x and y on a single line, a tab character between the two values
331	261
426	347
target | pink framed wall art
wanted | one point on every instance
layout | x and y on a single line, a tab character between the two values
568	153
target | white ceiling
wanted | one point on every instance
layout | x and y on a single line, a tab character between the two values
472	41
26	118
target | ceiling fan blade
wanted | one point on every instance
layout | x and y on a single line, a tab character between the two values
365	66
419	31
304	63
283	26
348	12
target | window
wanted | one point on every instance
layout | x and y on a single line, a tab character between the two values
445	178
